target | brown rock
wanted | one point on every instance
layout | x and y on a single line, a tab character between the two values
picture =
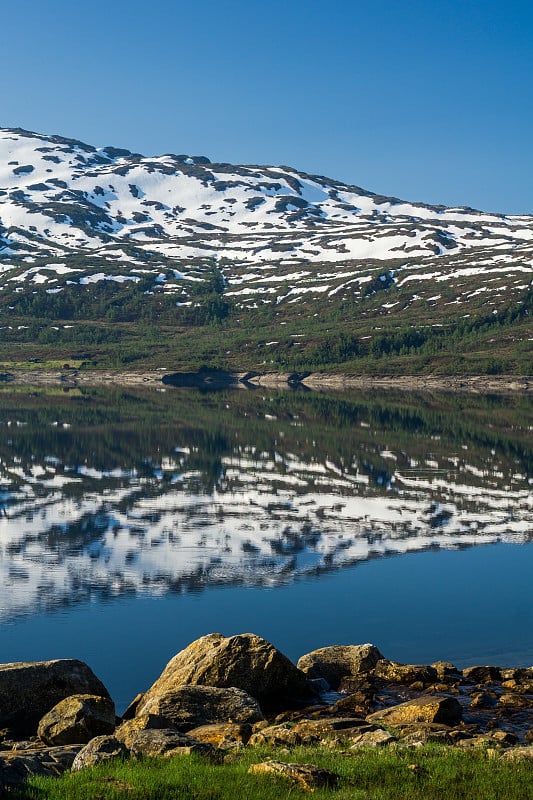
355	703
29	690
224	735
276	736
165	742
375	738
246	662
518	754
422	733
406	674
98	750
482	674
484	700
77	720
339	661
314	730
446	670
306	776
427	708
188	707
144	722
515	700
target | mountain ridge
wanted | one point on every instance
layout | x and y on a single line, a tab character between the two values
208	239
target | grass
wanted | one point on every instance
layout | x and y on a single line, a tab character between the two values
430	773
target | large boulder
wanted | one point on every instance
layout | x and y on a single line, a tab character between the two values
28	690
245	662
77	720
340	661
427	708
187	707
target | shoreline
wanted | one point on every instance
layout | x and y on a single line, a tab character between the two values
315	381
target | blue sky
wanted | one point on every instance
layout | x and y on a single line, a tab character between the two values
420	99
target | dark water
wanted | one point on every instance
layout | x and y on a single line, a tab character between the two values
132	523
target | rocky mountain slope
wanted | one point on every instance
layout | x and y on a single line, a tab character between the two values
74	214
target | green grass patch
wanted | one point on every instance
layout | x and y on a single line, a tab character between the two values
429	773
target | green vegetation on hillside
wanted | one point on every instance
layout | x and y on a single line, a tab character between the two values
137	325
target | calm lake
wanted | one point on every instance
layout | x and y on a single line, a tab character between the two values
132	522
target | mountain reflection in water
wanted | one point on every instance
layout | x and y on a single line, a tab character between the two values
110	494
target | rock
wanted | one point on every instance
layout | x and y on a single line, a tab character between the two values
482	674
245	662
427	708
446	670
144	722
339	661
188	707
165	742
375	738
515	700
77	720
484	700
361	702
315	730
518	754
406	674
98	750
223	735
16	766
493	739
29	690
306	776
309	731
423	733
131	710
276	736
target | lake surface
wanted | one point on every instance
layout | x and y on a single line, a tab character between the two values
133	522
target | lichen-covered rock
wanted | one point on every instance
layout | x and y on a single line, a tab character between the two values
188	707
18	765
126	730
406	674
518	754
339	661
98	750
245	662
29	690
376	738
223	735
307	776
282	735
427	708
77	720
165	742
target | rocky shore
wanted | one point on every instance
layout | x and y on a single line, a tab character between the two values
317	381
221	694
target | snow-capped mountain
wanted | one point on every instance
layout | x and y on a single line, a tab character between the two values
72	213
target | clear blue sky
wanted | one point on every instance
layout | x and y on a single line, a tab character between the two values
423	99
